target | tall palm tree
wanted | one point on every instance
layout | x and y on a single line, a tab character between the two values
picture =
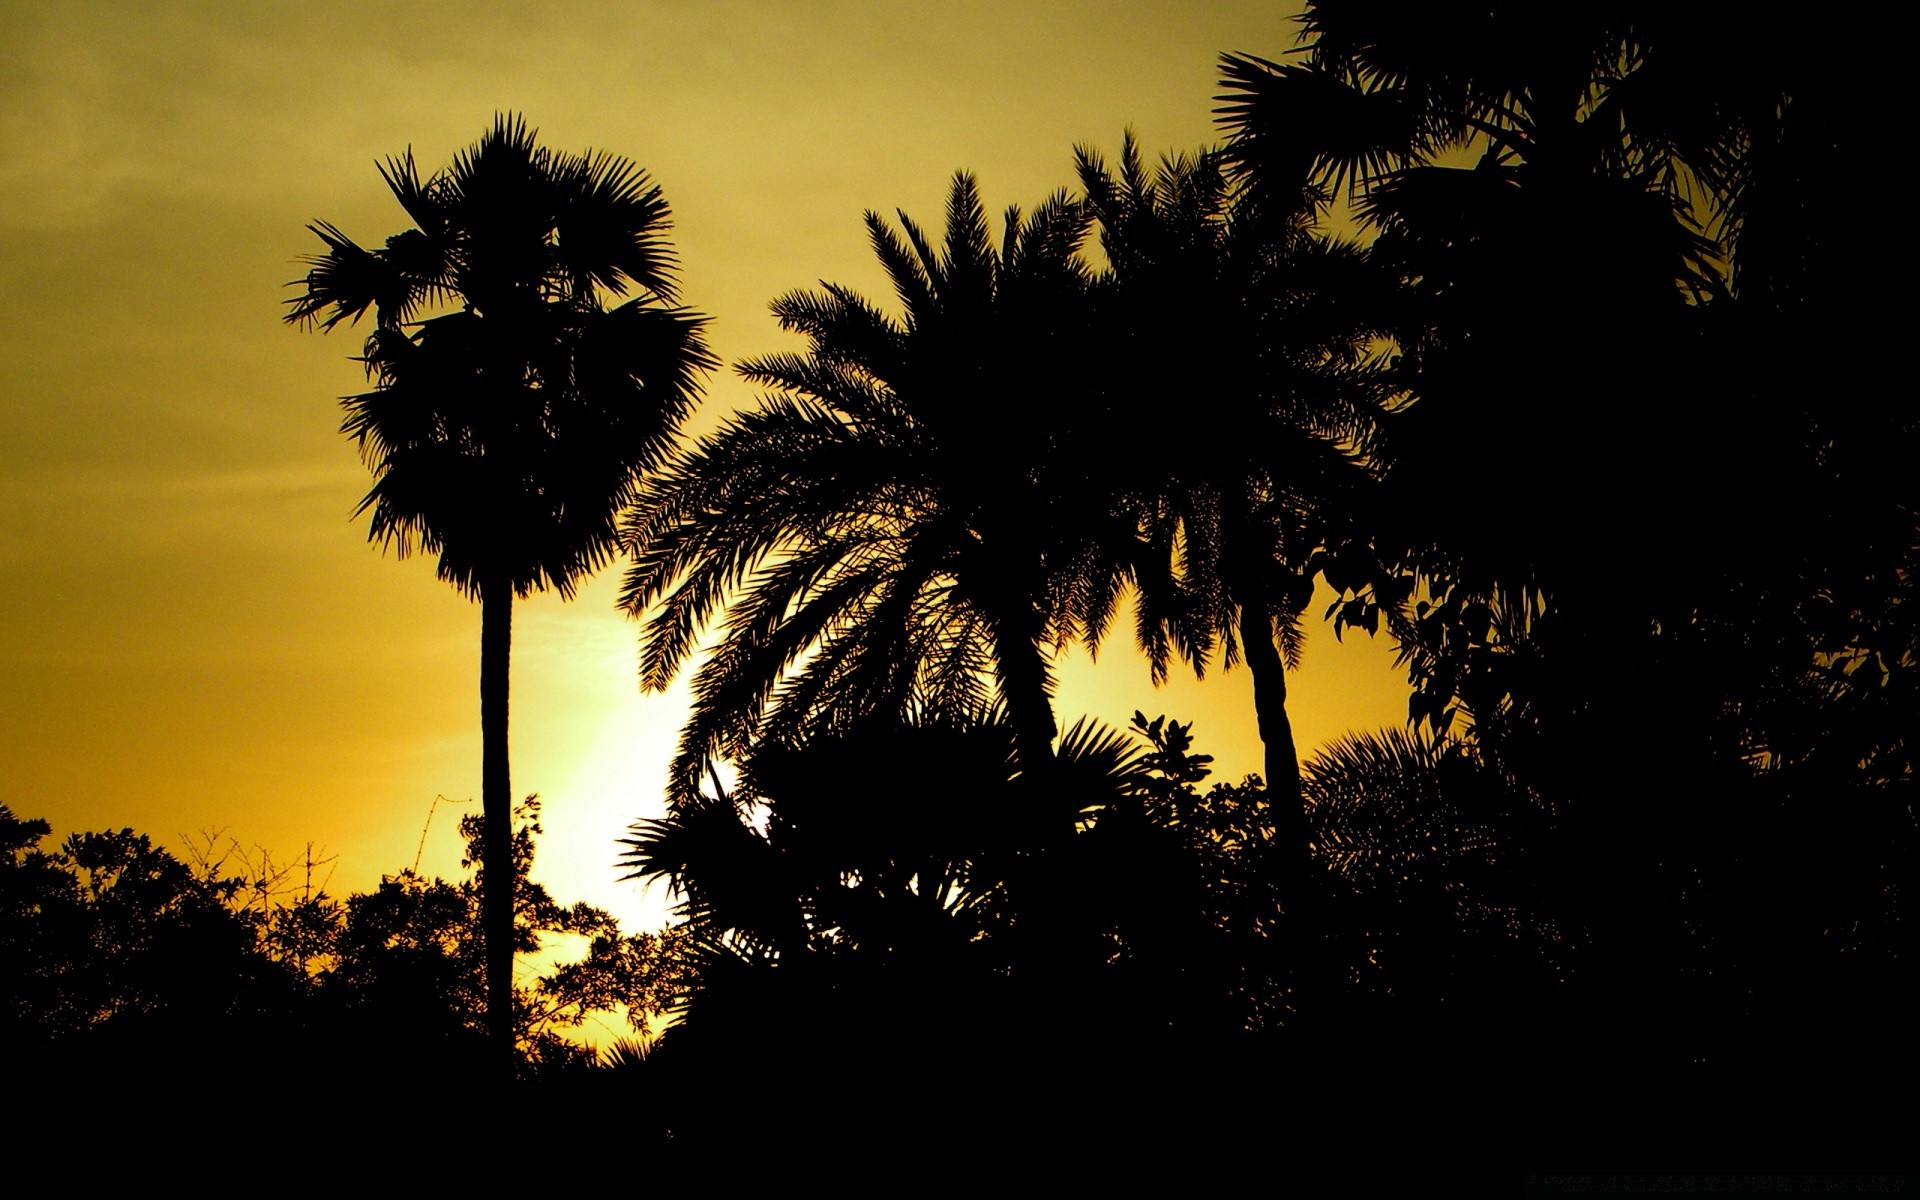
888	529
507	435
1240	506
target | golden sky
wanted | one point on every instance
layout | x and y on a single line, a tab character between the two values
194	633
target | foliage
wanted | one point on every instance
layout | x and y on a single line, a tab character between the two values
1437	862
1226	839
1289	396
895	523
1632	148
110	933
409	953
113	942
1645	540
507	435
1235	525
840	845
844	874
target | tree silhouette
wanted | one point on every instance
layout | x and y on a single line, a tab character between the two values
401	963
1243	504
1659	542
1661	398
506	436
111	943
1555	385
888	529
889	904
132	974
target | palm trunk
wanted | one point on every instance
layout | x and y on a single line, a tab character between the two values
1022	669
1298	880
496	842
1269	672
1047	944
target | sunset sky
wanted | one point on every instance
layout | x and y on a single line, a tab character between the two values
195	635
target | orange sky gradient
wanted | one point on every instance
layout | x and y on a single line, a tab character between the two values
196	635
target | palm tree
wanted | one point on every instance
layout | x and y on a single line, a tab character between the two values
507	435
1241	505
890	529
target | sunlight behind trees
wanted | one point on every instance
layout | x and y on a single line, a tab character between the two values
181	664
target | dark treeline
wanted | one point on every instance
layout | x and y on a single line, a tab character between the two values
134	970
1578	415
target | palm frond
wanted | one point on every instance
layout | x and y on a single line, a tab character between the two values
610	232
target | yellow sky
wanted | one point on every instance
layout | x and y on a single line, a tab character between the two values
194	634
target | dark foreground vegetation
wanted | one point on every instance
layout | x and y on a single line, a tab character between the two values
1580	415
141	978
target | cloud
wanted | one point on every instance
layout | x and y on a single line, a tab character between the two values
69	152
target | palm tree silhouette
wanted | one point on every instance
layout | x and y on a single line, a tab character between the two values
1238	521
890	528
506	436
